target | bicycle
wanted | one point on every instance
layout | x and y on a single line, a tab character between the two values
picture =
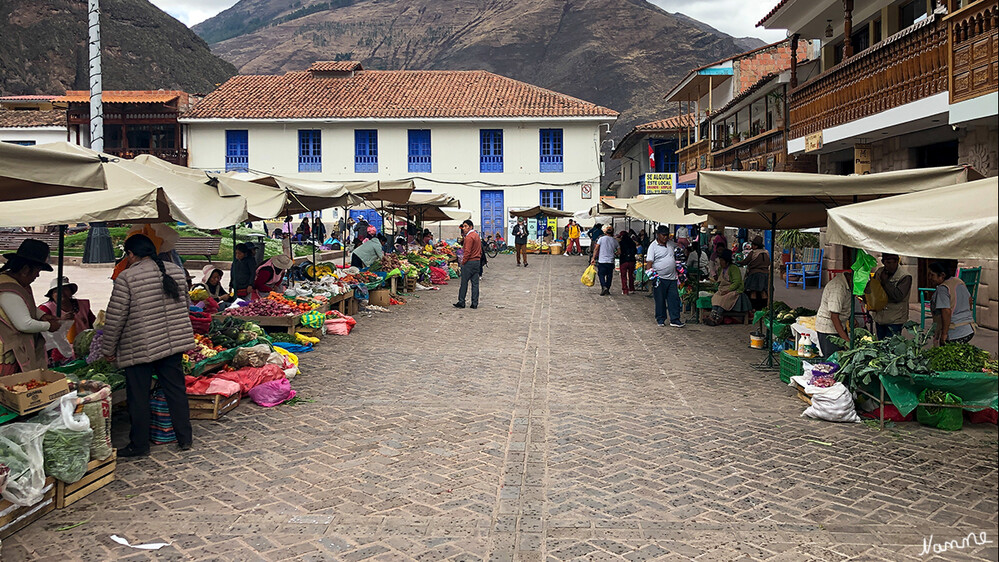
491	248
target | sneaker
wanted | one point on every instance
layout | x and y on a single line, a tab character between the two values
661	324
604	292
676	324
458	305
525	265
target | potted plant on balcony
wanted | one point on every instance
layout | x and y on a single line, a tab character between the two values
776	99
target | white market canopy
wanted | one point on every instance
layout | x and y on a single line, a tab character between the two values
135	193
665	209
956	222
32	172
786	190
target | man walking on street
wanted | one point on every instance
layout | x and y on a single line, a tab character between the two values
661	259
470	257
520	240
603	256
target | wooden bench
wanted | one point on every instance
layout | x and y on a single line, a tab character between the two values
12	240
207	246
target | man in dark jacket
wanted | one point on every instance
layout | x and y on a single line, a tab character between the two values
520	240
594	234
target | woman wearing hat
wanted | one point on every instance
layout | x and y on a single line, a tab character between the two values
21	345
270	276
75	310
211	280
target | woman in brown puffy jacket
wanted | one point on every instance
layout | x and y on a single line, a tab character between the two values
147	331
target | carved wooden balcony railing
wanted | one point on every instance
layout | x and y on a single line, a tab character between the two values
974	50
906	67
766	151
694	157
175	155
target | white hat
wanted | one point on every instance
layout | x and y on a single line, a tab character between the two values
282	261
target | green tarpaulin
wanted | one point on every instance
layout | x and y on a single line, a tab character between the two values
979	390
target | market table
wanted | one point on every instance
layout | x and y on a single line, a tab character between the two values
978	391
288	322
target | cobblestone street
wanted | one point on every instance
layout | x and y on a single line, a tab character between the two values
549	424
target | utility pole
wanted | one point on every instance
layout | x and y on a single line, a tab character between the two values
98	248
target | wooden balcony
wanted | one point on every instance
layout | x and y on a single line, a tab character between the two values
973	52
906	67
694	157
174	155
766	151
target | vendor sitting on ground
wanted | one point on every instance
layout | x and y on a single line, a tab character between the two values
952	312
270	276
369	251
730	296
211	280
74	310
757	261
834	312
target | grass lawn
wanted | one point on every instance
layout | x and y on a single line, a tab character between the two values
75	242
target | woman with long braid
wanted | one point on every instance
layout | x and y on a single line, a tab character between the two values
147	331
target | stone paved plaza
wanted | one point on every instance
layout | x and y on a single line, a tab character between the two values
549	424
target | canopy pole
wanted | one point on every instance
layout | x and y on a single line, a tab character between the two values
768	364
345	235
234	237
62	253
312	215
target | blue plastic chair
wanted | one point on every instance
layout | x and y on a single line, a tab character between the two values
810	267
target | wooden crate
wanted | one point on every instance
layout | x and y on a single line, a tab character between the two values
211	406
410	286
802	395
100	473
13	518
308	331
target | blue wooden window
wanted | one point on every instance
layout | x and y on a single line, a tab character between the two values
419	150
365	151
551	198
237	151
491	154
21	142
310	150
551	150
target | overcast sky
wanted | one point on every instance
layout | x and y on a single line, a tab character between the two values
735	17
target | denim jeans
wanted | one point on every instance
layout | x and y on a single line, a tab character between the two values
666	293
605	272
469	272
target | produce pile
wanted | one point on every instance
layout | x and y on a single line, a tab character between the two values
787	315
228	333
25	386
301	305
962	357
101	371
823	374
263	307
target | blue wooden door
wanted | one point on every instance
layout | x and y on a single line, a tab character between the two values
492	213
369	215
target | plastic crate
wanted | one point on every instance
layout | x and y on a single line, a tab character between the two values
790	366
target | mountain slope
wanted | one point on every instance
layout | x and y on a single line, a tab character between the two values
43	49
622	54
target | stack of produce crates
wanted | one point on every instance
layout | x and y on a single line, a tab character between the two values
790	365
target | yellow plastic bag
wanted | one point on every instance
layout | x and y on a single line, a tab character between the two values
589	276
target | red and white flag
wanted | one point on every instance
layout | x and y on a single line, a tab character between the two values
652	158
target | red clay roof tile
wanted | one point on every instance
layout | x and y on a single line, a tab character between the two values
387	94
123	96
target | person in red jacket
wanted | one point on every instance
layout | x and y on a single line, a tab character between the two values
270	276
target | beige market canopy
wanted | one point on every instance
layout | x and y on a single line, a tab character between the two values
535	211
956	222
310	195
612	207
384	192
789	191
666	209
804	216
32	172
135	193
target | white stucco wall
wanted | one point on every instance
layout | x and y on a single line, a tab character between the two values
40	135
273	149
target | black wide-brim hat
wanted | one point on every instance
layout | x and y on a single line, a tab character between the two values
33	251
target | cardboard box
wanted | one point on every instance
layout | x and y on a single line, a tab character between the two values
379	297
29	401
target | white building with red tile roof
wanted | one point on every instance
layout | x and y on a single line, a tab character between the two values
494	143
